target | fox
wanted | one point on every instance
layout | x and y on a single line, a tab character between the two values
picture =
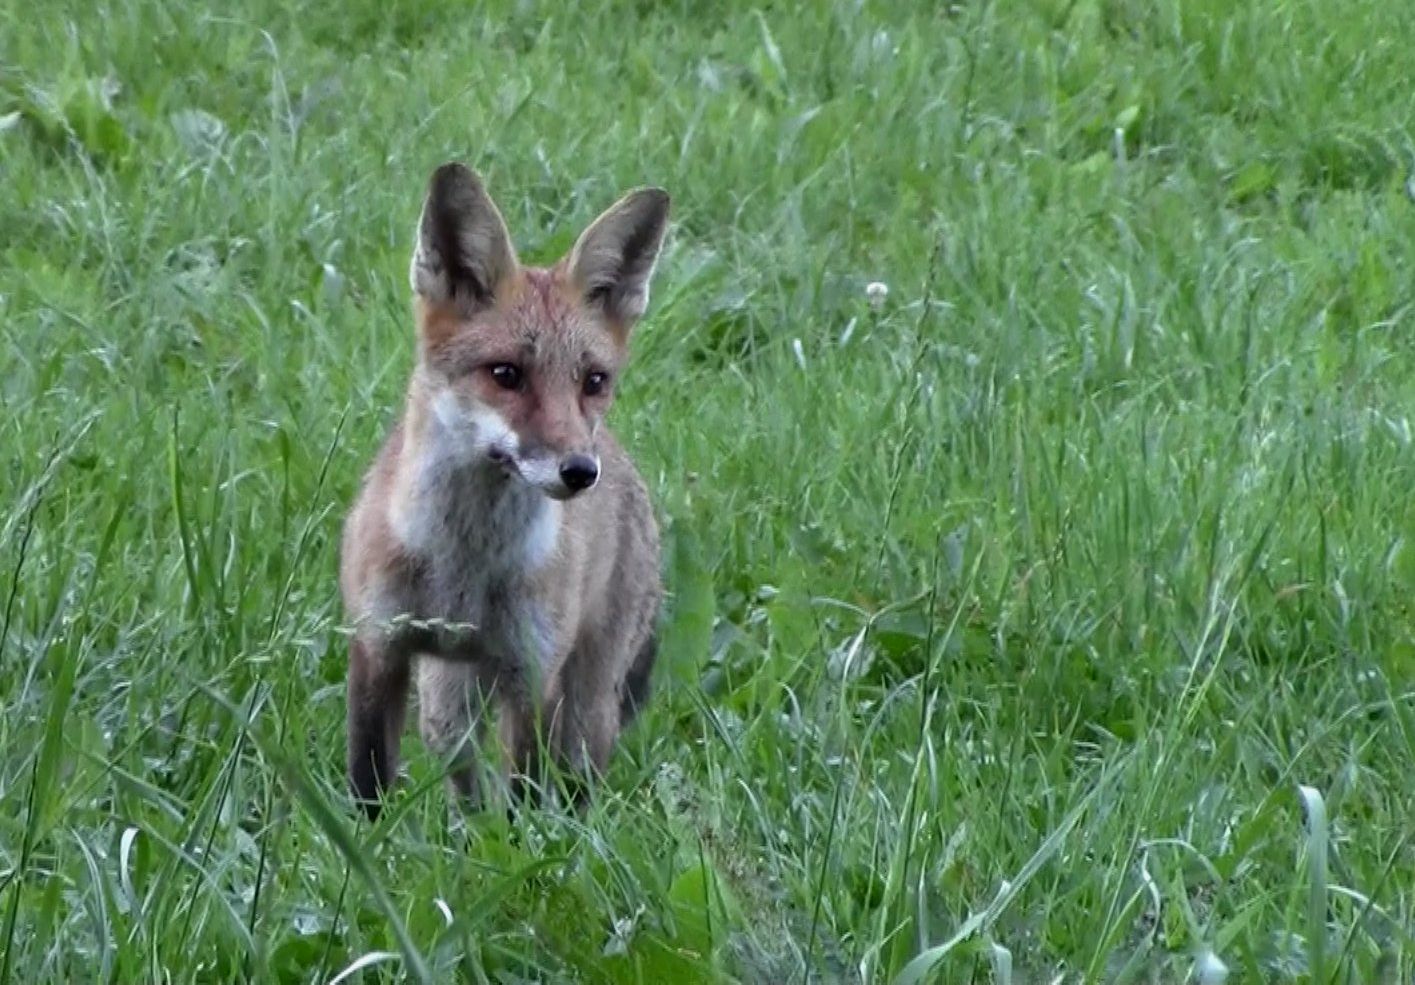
502	553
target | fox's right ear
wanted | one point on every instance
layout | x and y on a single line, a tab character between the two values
463	250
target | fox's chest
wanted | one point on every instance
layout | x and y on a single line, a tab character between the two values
481	548
489	614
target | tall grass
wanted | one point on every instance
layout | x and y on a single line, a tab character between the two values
1046	619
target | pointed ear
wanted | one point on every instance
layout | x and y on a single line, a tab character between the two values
614	258
463	251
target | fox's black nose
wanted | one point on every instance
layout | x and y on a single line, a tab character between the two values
578	472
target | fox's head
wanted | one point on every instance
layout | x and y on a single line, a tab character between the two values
521	362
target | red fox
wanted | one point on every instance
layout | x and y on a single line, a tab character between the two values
503	548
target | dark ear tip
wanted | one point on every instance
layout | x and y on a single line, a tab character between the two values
450	176
649	204
660	198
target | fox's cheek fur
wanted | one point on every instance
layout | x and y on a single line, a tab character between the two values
471	434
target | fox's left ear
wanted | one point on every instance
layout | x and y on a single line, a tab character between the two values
614	258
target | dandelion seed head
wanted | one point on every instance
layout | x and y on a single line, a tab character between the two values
876	291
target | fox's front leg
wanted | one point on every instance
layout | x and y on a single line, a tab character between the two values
584	722
521	739
450	705
592	700
378	697
572	728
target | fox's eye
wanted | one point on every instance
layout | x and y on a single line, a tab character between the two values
594	384
507	377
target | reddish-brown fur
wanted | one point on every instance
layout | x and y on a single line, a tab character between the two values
503	546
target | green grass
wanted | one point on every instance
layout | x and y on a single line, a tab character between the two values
1051	622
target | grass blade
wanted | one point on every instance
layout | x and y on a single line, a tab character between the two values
344	839
1315	809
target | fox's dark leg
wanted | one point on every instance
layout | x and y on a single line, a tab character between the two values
378	697
637	688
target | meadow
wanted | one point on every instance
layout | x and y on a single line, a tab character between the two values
1046	621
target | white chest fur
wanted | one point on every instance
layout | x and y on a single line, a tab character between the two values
478	534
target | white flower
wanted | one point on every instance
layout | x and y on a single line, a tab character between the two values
1209	970
876	291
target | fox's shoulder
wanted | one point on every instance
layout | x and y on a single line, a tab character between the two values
368	536
618	471
622	501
